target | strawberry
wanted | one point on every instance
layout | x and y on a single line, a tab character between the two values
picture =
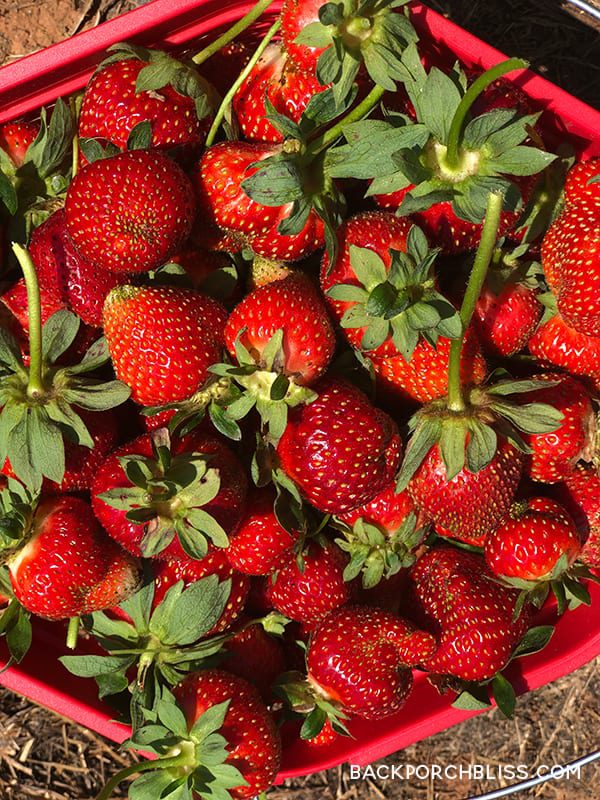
189	571
555	454
287	88
60	561
359	658
505	320
339	450
537	542
162	340
255	656
581	495
63	273
130	212
293	306
309	590
425	376
220	186
224	67
259	541
151	88
252	743
328	735
161	499
555	343
571	251
459	600
15	138
471	504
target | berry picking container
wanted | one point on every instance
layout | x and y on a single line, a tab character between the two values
40	79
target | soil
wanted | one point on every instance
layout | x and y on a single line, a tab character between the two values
44	756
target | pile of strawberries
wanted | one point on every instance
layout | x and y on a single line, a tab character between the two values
299	386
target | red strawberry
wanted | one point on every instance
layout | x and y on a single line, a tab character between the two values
166	501
255	656
129	213
252	742
288	89
224	67
64	274
293	306
581	495
425	376
328	735
15	138
571	251
387	510
112	106
359	658
162	340
65	565
308	592
505	322
339	450
555	454
557	344
538	541
224	203
456	597
169	572
258	543
295	16
471	505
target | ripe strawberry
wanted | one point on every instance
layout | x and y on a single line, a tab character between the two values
169	572
118	98
252	743
387	510
224	67
223	202
339	450
454	595
471	505
61	563
307	592
255	656
162	340
538	541
571	251
258	543
328	735
581	495
288	89
505	321
555	343
129	213
293	306
359	658
425	376
15	138
555	454
64	274
166	501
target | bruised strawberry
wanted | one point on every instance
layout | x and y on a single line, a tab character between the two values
130	212
162	340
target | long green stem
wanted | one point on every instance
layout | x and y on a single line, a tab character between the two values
357	113
229	35
146	766
241	78
472	93
483	257
35	386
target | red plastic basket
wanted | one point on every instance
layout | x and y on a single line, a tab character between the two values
64	68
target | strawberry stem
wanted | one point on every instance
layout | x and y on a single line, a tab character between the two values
230	34
35	385
452	159
357	113
72	632
240	79
161	763
482	261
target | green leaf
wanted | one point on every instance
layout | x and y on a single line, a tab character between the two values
534	640
53	142
437	104
47	444
478	130
423	197
8	194
274	184
533	418
140	136
313	724
452	448
172	718
58	334
504	695
92	666
19	636
279	387
367	266
224	423
470	702
196	611
100	396
150	785
210	721
139	606
329	65
297	219
426	435
96	356
520	160
315	34
10	352
113	683
203	522
481	447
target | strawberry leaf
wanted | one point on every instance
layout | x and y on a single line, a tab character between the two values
58	334
8	194
534	640
504	695
426	435
140	136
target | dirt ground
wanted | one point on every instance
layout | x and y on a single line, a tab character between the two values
44	756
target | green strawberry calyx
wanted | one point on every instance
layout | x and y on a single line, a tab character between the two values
402	302
190	761
305	698
359	31
167	495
